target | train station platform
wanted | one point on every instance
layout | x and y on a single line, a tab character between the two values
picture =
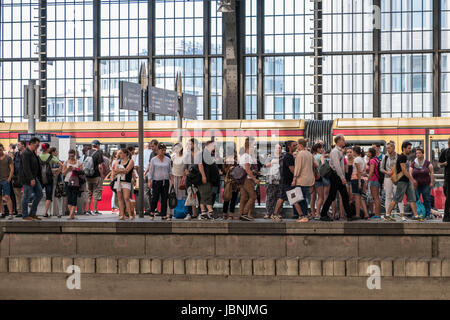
145	259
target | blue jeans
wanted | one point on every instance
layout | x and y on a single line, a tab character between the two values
306	199
27	193
425	191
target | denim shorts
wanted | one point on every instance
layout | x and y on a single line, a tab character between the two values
405	188
326	182
375	183
355	189
319	183
5	188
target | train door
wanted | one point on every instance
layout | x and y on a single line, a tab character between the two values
436	147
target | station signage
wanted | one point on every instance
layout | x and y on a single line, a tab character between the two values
162	101
130	96
26	137
189	106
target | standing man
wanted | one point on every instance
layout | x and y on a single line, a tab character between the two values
6	174
16	183
304	176
29	176
287	167
210	179
386	167
405	185
94	181
338	181
444	162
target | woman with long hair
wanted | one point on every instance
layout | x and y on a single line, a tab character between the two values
374	184
273	181
123	175
317	197
178	170
357	181
71	165
114	160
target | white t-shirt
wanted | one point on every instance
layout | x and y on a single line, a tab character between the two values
362	166
246	158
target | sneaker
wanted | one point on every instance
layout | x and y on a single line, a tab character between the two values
245	218
28	218
325	218
388	218
88	213
11	217
404	219
36	218
417	218
19	215
375	217
188	217
96	213
204	216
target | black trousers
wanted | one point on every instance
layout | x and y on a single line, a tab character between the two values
160	188
447	198
335	186
231	204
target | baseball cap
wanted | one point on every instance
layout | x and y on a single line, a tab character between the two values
95	142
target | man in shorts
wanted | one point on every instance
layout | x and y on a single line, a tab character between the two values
210	178
94	183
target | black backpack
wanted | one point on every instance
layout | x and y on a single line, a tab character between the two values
194	176
46	171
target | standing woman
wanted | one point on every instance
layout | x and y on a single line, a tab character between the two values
229	164
178	170
317	197
113	162
46	157
357	181
248	194
159	181
123	174
71	192
273	180
374	176
422	171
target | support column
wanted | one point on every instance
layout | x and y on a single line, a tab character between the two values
240	14
318	57
151	48
436	58
260	59
42	60
96	50
206	59
230	65
376	59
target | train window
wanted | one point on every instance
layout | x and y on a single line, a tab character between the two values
366	145
266	148
437	146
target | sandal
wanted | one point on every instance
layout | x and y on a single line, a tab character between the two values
303	220
230	217
121	218
224	217
152	216
267	216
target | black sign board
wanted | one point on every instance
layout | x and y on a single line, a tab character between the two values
189	106
130	96
26	137
162	101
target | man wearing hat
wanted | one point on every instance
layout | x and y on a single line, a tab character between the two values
94	182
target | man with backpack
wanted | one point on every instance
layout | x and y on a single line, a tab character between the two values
93	169
30	177
47	162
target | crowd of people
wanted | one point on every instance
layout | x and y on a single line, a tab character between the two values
188	180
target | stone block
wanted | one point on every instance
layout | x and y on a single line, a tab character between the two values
19	264
422	268
395	246
351	266
44	244
305	267
119	245
363	265
167	266
177	245
156	267
106	265
145	265
86	265
445	268
339	267
328	246
218	266
287	267
416	268
129	265
41	264
399	268
178	266
60	264
264	267
235	267
3	264
435	268
196	266
327	268
247	267
387	268
246	246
